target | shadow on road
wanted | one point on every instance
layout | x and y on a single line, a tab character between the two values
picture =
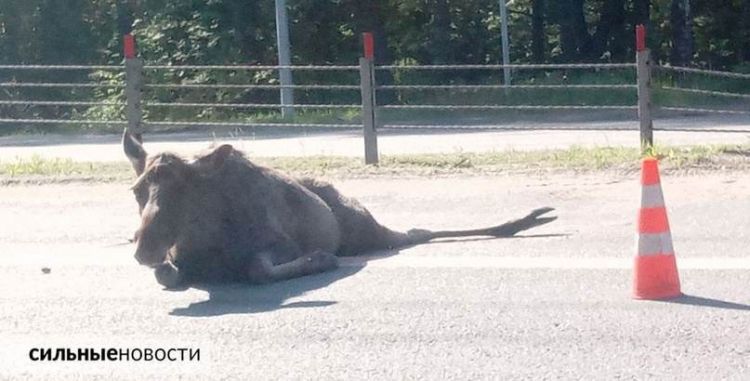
241	298
708	302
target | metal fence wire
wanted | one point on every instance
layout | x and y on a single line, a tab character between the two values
381	105
674	80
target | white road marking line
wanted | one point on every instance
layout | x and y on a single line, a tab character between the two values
695	263
84	255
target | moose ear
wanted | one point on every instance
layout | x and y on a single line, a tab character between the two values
209	164
131	144
220	154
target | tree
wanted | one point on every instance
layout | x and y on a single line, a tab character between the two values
743	52
538	35
439	45
682	33
370	16
641	12
575	40
609	36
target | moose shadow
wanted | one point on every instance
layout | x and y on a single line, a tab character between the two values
241	298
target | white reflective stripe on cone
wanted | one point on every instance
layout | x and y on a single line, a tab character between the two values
651	196
652	244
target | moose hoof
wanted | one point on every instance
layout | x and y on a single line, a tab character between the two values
320	261
168	275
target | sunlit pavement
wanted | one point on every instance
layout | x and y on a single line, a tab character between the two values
554	303
390	142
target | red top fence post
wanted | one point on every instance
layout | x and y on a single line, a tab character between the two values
367	87
369	45
128	45
133	85
640	38
643	72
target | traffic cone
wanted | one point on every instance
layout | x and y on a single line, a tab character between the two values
655	274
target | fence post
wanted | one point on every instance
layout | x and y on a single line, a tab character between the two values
133	86
285	74
505	44
643	71
367	87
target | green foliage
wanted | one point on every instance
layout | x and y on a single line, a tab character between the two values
199	32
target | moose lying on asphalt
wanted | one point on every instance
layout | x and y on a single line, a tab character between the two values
221	218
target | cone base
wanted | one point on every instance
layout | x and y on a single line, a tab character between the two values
664	297
655	277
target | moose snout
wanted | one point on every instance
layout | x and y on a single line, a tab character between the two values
149	255
146	260
140	260
151	245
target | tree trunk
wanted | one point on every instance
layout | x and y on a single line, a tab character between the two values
574	37
609	38
368	17
439	46
682	33
538	35
641	12
567	33
744	43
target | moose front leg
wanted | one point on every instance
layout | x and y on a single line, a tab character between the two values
262	269
168	275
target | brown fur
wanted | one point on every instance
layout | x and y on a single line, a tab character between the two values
223	218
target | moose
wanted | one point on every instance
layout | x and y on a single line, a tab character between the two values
222	218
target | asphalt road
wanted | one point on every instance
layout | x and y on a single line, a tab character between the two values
552	304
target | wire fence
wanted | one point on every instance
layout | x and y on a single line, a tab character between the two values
252	67
502	87
504	107
61	85
707	92
695	91
151	97
510	127
252	105
714	73
118	83
517	67
92	97
250	87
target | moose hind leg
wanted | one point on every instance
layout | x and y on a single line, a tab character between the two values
264	271
360	231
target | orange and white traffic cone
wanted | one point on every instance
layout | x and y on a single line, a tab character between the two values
655	274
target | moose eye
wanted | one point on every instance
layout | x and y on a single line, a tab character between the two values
152	176
159	174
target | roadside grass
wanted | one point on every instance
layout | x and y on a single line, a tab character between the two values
59	169
37	169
